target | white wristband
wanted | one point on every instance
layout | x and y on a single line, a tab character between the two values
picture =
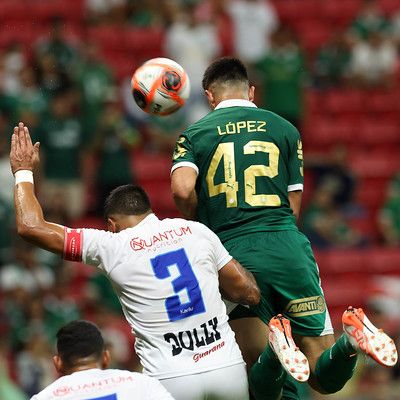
23	175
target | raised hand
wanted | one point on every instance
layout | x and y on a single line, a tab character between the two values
23	154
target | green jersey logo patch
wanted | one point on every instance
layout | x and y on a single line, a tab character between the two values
180	151
306	306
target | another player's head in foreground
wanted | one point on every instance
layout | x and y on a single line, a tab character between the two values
80	346
125	207
226	78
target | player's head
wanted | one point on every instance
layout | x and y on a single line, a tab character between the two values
226	78
126	206
80	346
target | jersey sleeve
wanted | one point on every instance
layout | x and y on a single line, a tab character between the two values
296	174
184	154
220	254
90	246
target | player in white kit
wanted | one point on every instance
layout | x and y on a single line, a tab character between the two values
82	360
167	274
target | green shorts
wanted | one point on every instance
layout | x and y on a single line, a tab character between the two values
286	272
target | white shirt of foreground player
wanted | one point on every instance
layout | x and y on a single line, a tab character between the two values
165	273
108	384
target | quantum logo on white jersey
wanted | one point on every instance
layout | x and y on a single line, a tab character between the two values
87	387
161	239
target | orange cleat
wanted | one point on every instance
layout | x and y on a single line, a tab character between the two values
364	336
289	355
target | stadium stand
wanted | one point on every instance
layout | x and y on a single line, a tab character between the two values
366	120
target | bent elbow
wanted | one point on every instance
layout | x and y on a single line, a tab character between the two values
26	231
23	230
181	194
254	296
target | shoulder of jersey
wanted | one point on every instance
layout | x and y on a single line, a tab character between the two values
198	124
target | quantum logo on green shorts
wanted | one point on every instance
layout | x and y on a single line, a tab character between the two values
306	306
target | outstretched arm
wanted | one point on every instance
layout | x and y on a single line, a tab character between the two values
31	225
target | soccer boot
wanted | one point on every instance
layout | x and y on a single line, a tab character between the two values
289	355
364	336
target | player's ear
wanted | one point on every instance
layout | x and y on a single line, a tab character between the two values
251	92
58	365
111	225
210	98
106	359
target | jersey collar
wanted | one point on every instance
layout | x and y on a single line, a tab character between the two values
235	103
149	218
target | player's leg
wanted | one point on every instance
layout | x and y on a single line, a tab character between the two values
303	303
332	364
251	335
266	376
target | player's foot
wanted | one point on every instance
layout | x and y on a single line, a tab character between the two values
282	343
368	338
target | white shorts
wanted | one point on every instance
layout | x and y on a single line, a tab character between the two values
229	383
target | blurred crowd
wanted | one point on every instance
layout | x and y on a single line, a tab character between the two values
82	112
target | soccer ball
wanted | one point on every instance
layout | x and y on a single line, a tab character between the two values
160	86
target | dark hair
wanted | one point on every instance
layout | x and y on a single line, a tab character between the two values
127	200
225	69
79	339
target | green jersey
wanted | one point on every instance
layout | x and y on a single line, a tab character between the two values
247	159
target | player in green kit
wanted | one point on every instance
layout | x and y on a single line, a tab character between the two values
239	170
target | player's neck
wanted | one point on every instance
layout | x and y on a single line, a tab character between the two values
83	367
232	96
129	221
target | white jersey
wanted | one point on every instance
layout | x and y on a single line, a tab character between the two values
108	384
165	273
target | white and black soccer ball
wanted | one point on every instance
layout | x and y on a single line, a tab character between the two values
160	86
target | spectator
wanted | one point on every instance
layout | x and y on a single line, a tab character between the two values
254	21
34	367
13	61
143	13
105	11
193	44
25	272
369	19
333	171
396	28
6	177
56	44
324	224
114	140
30	96
389	216
282	73
61	138
51	78
373	62
59	307
94	79
332	65
8	389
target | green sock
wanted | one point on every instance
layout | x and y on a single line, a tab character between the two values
336	365
267	376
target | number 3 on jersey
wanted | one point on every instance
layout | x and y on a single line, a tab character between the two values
186	280
230	187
